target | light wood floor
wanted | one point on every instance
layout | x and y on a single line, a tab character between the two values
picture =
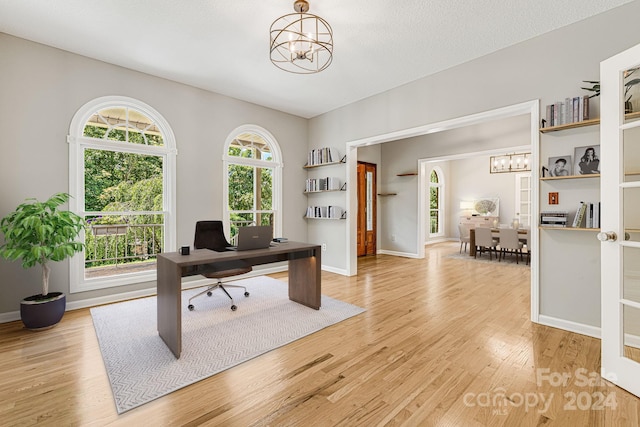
443	342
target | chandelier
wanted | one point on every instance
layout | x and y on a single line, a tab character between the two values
301	43
510	163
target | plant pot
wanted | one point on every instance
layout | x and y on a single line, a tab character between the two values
38	313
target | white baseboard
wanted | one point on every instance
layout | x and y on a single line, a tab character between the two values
124	296
438	240
394	253
567	325
330	269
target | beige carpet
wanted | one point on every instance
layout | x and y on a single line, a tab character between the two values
214	338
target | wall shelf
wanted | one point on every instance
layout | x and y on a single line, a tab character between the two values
554	178
387	194
319	217
342	160
542	227
590	122
324	191
407	174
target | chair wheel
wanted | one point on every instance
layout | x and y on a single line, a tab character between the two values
190	307
234	308
246	294
209	294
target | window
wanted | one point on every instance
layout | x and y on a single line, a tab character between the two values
436	195
122	169
253	172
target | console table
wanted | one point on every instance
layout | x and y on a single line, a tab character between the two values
304	279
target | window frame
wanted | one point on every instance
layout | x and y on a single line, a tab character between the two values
276	164
441	213
78	143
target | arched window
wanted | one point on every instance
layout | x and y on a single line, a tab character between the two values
252	180
122	181
436	203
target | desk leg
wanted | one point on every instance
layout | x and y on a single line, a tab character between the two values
169	305
472	242
304	278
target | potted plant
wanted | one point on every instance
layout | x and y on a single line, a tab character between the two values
628	84
36	233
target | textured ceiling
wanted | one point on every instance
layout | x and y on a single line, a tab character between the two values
224	46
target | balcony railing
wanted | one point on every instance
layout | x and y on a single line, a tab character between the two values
113	245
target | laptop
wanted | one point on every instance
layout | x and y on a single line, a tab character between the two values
258	237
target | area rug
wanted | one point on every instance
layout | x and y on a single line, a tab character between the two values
484	258
141	367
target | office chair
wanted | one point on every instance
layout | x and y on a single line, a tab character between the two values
210	235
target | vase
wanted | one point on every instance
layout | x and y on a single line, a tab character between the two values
39	313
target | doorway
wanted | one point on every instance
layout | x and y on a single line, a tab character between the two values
367	218
531	108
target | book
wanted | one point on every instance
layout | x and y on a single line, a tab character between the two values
577	220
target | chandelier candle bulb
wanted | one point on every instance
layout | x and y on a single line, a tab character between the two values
296	49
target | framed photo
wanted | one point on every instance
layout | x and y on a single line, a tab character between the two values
488	206
554	198
587	160
560	166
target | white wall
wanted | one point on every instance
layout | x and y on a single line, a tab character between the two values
471	180
43	87
540	68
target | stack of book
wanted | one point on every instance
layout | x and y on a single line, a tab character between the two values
554	218
572	110
322	184
330	212
588	214
320	156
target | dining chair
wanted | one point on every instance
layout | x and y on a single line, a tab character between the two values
509	242
528	245
485	241
465	236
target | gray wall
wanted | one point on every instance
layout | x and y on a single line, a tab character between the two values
43	87
550	67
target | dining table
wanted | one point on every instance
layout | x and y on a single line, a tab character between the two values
494	232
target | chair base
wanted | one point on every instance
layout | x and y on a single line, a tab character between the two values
209	292
516	252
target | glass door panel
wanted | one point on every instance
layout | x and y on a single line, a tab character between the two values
631	330
620	236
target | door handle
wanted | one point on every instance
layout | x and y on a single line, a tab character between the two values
607	236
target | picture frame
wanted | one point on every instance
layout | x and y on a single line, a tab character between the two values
488	206
586	160
554	198
560	166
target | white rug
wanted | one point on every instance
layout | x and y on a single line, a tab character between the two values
484	258
214	338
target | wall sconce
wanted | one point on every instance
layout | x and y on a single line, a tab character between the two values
520	162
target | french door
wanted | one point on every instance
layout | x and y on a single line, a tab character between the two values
620	220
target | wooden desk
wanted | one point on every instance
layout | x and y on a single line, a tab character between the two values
472	238
304	279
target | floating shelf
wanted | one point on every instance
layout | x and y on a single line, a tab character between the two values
590	122
542	227
322	191
387	194
407	174
342	160
552	178
318	217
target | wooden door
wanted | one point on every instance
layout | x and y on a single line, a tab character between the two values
366	209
